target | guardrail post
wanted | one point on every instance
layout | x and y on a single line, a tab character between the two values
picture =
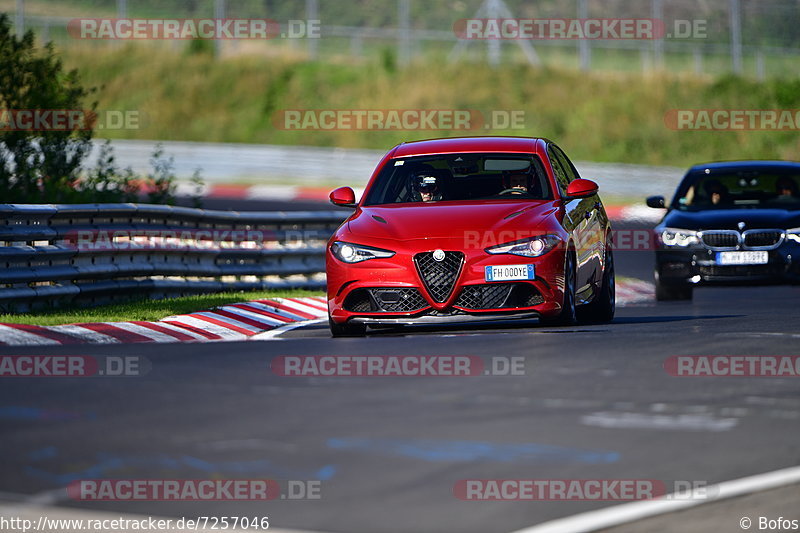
736	35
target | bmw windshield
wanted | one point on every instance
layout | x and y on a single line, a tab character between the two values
739	190
460	177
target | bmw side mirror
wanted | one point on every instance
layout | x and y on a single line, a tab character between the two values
581	188
343	196
656	202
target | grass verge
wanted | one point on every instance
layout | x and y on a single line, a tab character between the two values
598	116
149	310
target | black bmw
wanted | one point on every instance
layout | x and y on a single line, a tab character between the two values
732	222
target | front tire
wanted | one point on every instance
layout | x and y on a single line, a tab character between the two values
348	329
567	316
601	310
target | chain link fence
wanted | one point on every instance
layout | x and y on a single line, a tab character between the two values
757	38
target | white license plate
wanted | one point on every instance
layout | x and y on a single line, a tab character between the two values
742	258
509	272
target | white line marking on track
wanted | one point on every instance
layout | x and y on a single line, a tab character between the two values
630	512
699	422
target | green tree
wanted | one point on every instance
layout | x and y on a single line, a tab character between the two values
39	166
45	164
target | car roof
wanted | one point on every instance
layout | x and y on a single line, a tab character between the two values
745	165
469	144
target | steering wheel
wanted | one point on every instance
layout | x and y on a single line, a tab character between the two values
511	191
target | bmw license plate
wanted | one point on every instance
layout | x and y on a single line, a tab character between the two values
742	258
509	272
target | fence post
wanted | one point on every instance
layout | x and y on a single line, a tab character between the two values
219	14
698	60
584	50
761	70
658	43
312	13
122	9
736	35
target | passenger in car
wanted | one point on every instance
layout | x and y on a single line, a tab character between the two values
716	192
786	188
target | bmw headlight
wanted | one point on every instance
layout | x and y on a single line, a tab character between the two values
532	247
355	253
683	238
793	234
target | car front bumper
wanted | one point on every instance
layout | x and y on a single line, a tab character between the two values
355	289
699	266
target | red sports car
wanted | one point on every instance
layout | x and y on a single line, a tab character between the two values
473	228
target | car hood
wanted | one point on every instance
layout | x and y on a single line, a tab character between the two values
730	219
449	219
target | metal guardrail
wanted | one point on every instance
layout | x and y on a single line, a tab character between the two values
51	255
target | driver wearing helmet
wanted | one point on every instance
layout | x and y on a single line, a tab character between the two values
426	185
516	183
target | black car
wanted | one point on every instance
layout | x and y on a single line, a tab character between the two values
732	222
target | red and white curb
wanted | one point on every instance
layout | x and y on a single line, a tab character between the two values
634	291
259	319
234	322
619	213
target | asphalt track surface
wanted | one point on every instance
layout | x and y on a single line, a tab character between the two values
594	402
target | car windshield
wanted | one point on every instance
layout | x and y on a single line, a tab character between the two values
740	190
460	177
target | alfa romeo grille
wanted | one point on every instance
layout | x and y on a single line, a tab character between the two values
399	300
499	296
385	300
439	276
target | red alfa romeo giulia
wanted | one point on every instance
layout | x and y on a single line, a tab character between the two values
473	228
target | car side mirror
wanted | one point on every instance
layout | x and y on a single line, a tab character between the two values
581	188
343	196
656	202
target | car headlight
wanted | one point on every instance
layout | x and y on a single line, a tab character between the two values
683	238
793	234
355	253
532	247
